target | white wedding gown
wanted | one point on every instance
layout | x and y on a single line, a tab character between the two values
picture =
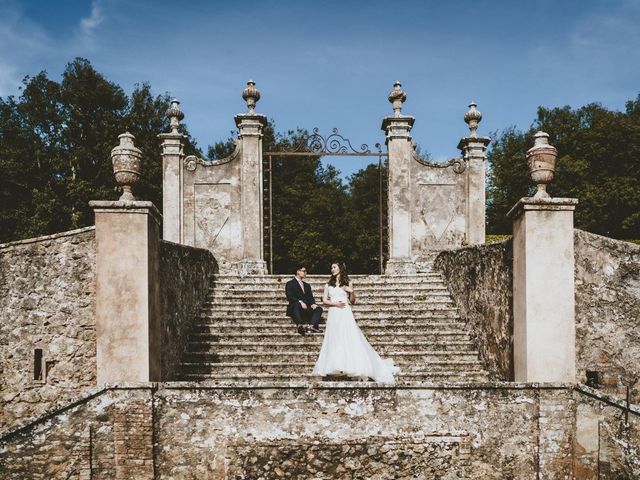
346	351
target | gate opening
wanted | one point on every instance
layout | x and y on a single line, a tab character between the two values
297	231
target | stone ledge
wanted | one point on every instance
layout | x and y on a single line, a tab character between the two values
310	387
53	236
607	398
549	204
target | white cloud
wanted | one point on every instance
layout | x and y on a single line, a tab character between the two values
95	18
21	41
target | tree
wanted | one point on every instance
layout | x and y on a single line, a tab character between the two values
55	144
597	163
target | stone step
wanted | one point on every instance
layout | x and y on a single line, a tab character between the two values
409	294
416	329
379	314
318	288
265	358
267	378
367	305
288	368
262	322
257	379
377	340
322	279
293	337
308	348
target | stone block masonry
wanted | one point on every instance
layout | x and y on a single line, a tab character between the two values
607	275
480	281
185	274
47	327
608	311
47	324
324	430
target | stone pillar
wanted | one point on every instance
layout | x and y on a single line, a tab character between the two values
172	156
543	284
400	150
250	127
128	312
473	150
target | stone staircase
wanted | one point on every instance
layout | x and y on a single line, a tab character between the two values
243	335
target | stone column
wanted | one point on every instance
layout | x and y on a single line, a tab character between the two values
473	150
250	127
172	156
128	312
543	283
127	291
400	150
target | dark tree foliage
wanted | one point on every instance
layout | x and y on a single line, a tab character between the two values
598	163
55	144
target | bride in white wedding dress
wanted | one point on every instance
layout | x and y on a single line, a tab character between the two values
345	350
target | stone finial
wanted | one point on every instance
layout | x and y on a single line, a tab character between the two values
473	118
175	115
541	160
397	97
127	165
251	95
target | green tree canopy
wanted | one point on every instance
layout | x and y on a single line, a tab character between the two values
598	163
55	144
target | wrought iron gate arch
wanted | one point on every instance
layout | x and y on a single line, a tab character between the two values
314	144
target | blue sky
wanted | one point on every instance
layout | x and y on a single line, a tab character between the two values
332	64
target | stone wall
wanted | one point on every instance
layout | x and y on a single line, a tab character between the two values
348	430
479	279
608	310
607	279
184	282
47	302
607	436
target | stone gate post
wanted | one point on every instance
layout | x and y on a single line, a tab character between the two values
543	277
400	150
474	150
172	155
250	126
128	333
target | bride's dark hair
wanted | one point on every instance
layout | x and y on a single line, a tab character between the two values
344	276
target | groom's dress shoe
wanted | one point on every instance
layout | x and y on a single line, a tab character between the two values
301	330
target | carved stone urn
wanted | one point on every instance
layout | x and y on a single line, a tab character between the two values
541	159
251	95
127	165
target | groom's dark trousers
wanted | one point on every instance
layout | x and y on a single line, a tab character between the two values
295	295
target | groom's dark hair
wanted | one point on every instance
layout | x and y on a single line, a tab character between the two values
299	268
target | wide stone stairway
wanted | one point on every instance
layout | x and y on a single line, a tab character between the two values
243	335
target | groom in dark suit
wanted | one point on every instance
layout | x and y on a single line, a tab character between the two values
302	306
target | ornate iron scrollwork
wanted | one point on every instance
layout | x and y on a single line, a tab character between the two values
458	163
334	143
191	161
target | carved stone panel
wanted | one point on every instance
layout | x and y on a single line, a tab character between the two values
211	216
438	213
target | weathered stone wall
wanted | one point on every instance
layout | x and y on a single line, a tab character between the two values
105	434
607	436
185	274
492	431
47	302
607	273
479	279
607	279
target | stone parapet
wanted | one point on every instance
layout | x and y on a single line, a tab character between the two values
490	430
128	310
543	289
